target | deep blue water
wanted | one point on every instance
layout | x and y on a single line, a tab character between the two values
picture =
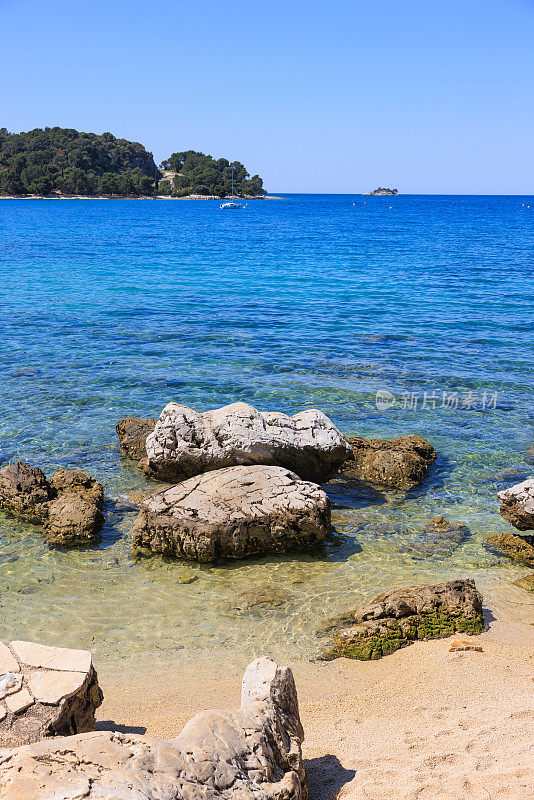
112	308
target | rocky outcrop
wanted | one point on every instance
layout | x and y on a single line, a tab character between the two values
400	463
517	505
518	548
45	691
132	433
69	505
399	617
24	491
233	513
253	752
185	443
381	192
439	538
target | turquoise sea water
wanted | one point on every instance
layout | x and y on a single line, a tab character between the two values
114	308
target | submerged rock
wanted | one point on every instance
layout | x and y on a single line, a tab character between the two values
439	538
253	752
132	433
518	548
265	596
517	505
526	582
24	491
400	463
399	617
69	505
233	513
45	691
185	443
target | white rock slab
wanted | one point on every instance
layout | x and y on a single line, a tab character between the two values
61	658
8	662
52	687
16	703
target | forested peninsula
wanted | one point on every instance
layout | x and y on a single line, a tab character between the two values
58	162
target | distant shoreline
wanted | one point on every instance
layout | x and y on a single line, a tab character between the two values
131	197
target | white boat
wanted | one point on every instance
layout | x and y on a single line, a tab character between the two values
231	203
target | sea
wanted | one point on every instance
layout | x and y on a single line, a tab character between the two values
393	315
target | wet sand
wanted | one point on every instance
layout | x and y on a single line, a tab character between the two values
421	724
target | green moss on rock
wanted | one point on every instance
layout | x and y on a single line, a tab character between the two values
396	619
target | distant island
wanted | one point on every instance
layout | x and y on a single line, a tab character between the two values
59	162
192	173
381	191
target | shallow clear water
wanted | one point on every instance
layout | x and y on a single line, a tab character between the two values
112	308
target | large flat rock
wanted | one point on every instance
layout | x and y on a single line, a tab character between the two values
45	691
517	505
251	753
233	513
185	443
399	617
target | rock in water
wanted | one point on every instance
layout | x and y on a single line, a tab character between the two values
526	582
75	516
399	617
132	433
517	505
24	491
253	752
185	443
45	691
438	539
233	513
400	463
518	548
69	505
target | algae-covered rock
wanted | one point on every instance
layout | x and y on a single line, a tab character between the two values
439	538
526	582
132	433
401	616
24	491
400	463
518	548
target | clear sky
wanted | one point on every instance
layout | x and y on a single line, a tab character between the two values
423	95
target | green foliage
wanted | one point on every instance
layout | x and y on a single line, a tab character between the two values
49	160
197	173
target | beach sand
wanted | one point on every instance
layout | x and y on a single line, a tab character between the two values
421	724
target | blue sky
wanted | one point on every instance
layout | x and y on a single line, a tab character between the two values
429	97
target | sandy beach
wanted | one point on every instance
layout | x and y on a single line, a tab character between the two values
421	724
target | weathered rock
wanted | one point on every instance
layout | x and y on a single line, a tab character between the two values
74	516
253	752
132	433
233	513
518	548
45	691
24	491
69	505
461	645
185	443
400	463
526	582
72	521
399	617
439	538
517	505
263	596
